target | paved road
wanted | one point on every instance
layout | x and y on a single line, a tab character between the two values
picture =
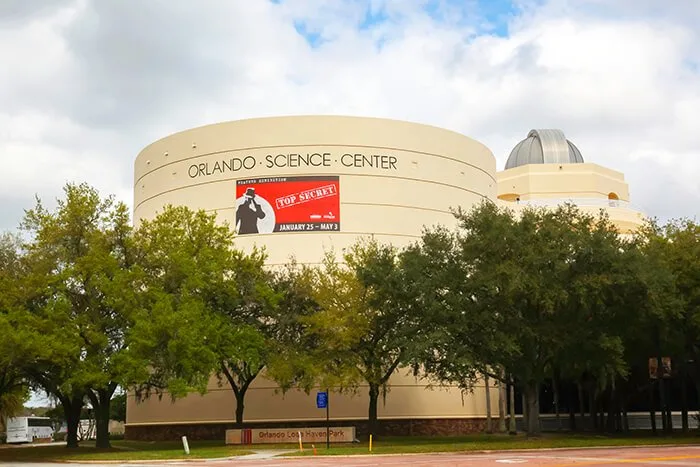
657	456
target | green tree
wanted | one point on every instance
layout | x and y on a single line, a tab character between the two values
262	310
204	302
672	252
79	260
507	290
182	255
365	324
118	407
13	354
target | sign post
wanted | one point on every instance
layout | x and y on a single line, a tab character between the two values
322	403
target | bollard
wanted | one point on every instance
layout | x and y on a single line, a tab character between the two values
185	445
301	446
370	443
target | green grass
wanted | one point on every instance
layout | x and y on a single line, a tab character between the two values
141	450
497	442
123	450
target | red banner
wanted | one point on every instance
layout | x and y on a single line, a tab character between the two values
287	204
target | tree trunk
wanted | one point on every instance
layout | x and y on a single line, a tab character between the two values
572	418
71	410
532	398
512	429
489	421
684	398
593	409
240	406
372	419
612	413
502	405
555	389
662	396
102	421
101	402
652	411
239	388
581	406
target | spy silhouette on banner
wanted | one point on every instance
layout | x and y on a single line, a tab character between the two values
248	213
287	204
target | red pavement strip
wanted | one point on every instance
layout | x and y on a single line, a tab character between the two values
604	457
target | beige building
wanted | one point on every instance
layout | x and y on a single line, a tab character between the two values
545	169
302	185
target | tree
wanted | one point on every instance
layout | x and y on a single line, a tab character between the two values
118	407
262	310
79	260
673	250
507	290
202	301
365	325
18	346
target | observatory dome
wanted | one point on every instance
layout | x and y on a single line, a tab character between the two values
544	147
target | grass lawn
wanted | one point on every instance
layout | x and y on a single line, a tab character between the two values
122	450
496	442
141	450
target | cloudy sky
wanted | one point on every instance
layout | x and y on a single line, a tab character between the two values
85	85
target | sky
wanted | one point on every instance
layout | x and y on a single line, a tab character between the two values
85	85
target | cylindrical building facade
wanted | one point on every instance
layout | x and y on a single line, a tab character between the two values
319	181
299	186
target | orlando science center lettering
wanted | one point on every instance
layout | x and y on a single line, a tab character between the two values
243	163
288	204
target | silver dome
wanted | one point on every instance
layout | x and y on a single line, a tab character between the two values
544	147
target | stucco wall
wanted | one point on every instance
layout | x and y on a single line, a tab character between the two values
406	399
421	173
406	176
587	185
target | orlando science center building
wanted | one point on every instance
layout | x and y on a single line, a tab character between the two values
302	185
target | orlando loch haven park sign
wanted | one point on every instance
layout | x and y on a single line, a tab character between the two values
289	435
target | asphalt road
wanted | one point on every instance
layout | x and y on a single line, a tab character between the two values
646	456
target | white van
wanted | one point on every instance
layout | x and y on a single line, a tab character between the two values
29	429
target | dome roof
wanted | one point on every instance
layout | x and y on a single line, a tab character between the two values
544	147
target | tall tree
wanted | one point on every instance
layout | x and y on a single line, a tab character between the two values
181	257
674	249
366	324
79	258
512	288
267	305
209	308
18	341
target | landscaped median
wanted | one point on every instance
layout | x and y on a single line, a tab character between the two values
141	450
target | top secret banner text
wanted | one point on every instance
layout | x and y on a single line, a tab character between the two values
292	160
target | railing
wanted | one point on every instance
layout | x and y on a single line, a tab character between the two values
602	202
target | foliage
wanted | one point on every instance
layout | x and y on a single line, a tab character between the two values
79	261
19	343
507	289
118	407
366	325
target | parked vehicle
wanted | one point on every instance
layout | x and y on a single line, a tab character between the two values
29	429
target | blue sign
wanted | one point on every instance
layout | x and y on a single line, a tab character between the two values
321	400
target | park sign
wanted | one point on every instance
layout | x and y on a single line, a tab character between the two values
322	400
289	435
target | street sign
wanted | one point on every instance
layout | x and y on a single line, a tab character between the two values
321	400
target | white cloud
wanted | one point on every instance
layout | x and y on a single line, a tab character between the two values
88	84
